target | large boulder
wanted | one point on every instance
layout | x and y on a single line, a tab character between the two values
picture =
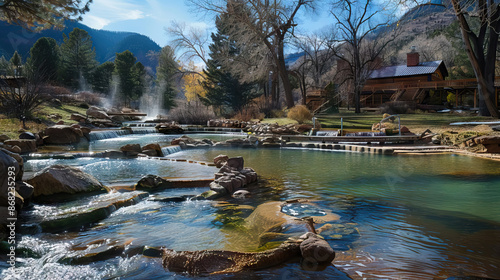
489	144
150	182
13	191
4	137
27	135
26	145
62	135
97	113
78	117
131	150
236	163
153	150
220	160
8	171
167	128
63	179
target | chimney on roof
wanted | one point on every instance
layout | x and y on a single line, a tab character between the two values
412	58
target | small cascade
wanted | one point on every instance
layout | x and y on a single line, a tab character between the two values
143	130
170	150
224	130
107	134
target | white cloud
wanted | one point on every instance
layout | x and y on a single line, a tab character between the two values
96	22
104	12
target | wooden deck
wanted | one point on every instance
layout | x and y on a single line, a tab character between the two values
446	84
347	139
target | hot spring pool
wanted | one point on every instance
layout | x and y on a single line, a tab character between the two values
402	217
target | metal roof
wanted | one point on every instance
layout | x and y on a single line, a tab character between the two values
423	68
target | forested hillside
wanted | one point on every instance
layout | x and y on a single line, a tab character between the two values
106	43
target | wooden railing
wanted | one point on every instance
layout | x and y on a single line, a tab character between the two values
452	84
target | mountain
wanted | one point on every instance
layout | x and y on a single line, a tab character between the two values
106	43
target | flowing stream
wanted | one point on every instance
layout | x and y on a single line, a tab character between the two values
402	217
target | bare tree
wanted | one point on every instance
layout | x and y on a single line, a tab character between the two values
21	95
190	40
262	21
312	68
362	37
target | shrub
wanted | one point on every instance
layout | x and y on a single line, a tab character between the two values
300	113
249	112
89	97
277	114
191	113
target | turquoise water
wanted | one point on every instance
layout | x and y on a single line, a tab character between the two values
402	217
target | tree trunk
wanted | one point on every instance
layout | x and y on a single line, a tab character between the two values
287	87
357	101
481	63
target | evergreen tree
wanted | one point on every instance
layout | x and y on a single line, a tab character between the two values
17	62
101	77
223	89
45	58
78	57
124	64
4	66
42	14
139	78
165	74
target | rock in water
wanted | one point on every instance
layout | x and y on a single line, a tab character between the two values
314	249
150	181
63	179
219	261
61	135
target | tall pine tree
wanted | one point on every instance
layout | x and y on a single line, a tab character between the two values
124	64
17	62
101	77
165	73
45	58
78	57
223	89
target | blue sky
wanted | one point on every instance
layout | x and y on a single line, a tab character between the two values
151	17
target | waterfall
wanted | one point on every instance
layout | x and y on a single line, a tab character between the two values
170	150
107	134
143	130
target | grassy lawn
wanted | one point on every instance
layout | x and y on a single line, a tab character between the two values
279	121
436	122
64	111
11	127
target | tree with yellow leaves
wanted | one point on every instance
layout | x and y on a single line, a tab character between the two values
192	79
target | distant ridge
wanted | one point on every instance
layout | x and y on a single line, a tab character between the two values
106	43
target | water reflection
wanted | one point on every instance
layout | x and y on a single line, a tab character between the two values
427	217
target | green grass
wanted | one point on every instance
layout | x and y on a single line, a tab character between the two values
65	111
11	126
419	120
279	121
